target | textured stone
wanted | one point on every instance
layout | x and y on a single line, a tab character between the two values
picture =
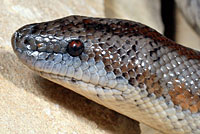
185	35
190	10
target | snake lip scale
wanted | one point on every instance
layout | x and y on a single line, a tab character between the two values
121	64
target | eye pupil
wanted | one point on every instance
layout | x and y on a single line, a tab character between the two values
75	48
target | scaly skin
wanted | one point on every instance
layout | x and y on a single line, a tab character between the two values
123	65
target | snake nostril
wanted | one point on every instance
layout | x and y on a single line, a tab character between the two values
26	41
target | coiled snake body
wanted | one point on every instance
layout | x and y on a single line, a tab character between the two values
123	65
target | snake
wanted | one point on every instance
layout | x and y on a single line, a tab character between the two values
123	65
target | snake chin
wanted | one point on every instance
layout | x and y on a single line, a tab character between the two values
88	90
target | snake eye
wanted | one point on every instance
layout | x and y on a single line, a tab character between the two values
75	48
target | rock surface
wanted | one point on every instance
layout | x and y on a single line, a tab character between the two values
185	34
190	10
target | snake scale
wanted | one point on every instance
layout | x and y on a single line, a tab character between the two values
121	64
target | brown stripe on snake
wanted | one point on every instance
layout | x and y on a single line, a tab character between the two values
182	96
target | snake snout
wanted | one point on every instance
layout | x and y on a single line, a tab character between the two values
21	39
24	45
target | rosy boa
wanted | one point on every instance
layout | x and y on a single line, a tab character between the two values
123	65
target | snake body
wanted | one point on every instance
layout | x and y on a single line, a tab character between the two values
121	64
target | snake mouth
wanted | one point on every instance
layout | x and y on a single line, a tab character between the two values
14	40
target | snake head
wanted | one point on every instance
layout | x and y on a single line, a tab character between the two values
111	54
95	51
